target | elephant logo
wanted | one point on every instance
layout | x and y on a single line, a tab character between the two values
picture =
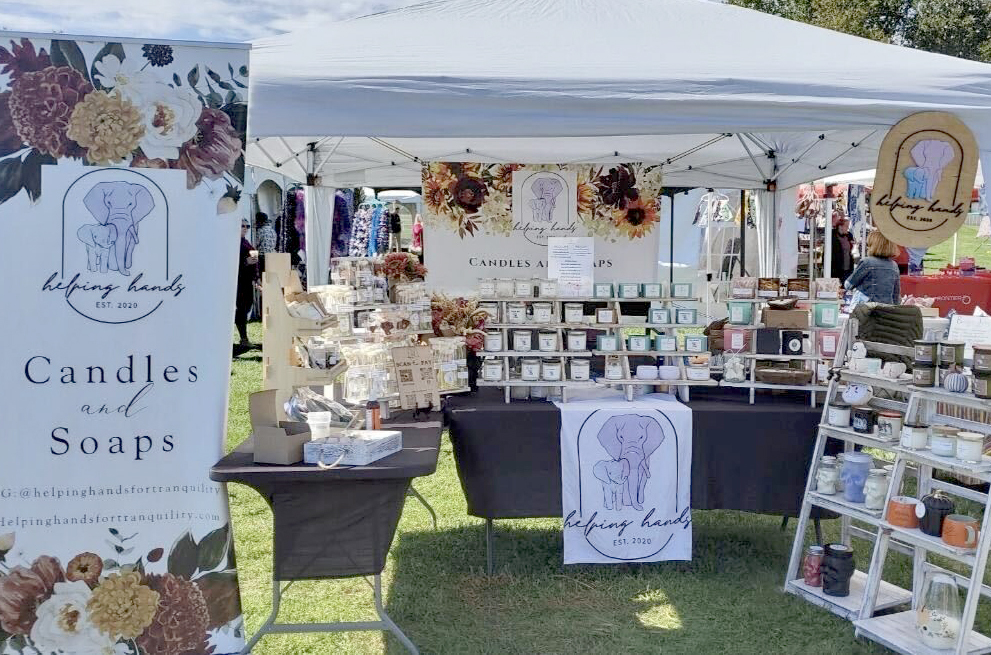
545	191
118	207
630	440
931	157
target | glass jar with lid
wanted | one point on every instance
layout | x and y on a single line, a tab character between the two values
516	313
577	340
492	370
827	475
548	288
521	341
543	312
876	489
530	369
523	288
970	447
493	340
486	287
580	369
614	368
550	370
574	312
504	287
547	341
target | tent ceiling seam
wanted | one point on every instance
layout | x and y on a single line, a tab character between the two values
853	146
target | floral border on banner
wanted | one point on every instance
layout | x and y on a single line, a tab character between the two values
119	110
105	606
614	202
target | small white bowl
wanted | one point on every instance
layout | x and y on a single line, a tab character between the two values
668	373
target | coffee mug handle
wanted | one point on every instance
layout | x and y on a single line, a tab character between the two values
971	535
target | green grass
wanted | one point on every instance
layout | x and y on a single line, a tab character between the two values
728	599
968	245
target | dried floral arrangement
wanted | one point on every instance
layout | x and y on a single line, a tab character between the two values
459	317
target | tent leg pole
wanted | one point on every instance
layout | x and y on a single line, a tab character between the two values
671	247
743	234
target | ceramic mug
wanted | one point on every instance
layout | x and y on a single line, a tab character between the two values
893	370
901	512
872	365
960	531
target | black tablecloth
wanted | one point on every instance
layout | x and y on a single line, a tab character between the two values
744	457
339	522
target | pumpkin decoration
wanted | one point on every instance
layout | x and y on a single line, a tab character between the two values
956	382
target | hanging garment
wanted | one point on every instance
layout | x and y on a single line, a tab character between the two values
341	239
417	237
384	230
360	229
300	221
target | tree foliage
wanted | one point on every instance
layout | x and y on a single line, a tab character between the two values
961	28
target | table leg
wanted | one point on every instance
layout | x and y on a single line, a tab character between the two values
270	621
389	623
423	501
489	547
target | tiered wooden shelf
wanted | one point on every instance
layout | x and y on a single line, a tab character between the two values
628	382
869	594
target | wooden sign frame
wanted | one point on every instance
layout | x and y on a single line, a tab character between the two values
924	181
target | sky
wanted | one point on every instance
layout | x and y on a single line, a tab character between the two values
208	20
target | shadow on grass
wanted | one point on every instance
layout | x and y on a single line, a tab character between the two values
727	599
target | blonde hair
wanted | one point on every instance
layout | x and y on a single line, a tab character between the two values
879	246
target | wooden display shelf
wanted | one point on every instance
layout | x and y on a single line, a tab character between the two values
588	299
590	326
536	353
897	632
658	383
571	384
758	301
848	607
784	358
770	385
652	353
875	380
951	464
841	505
916	537
378	336
958	399
801	329
848	434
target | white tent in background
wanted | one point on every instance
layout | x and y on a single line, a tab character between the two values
720	95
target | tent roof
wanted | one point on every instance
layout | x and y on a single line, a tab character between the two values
714	88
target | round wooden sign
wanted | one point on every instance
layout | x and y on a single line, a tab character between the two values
925	177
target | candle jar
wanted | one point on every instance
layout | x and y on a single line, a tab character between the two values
548	288
982	359
605	316
543	312
863	419
523	289
840	460
574	312
614	368
982	385
577	340
924	375
492	370
547	341
681	290
522	340
889	425
839	415
926	352
629	290
837	569
696	343
659	316
490	308
516	313
487	287
607	343
653	290
826	476
741	313
504	287
970	447
943	440
951	353
812	566
938	618
530	369
580	369
686	316
826	314
638	343
603	289
914	436
876	489
550	370
493	340
856	467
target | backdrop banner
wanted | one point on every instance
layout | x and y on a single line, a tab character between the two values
477	226
121	165
626	480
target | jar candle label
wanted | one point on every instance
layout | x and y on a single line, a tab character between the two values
736	314
531	371
517	314
736	341
486	289
521	341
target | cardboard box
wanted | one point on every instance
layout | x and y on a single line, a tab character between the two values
275	442
792	319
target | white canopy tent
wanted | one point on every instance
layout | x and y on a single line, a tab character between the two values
721	96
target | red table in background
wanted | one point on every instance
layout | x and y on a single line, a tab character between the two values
951	292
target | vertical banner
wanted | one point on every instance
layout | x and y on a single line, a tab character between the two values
121	169
495	220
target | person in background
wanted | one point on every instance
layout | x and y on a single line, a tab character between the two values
247	271
842	262
417	246
395	230
877	276
266	234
